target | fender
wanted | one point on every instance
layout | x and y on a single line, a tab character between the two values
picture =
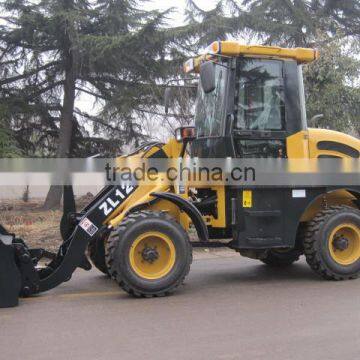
190	210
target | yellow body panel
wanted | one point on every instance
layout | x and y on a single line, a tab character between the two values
303	145
317	135
298	145
235	48
141	196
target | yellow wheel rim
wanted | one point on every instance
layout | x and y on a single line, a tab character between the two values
152	255
344	244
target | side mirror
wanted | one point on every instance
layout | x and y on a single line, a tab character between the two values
207	76
167	99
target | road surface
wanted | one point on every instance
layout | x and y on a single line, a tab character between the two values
230	308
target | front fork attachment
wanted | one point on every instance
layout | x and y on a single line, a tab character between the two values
19	273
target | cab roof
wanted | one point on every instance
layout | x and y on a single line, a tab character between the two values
235	48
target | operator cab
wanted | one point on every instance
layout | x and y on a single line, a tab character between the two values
249	100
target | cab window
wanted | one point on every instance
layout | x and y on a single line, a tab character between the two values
260	95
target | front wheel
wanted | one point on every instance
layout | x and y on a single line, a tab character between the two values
149	254
332	243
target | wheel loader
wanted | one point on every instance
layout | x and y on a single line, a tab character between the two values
250	104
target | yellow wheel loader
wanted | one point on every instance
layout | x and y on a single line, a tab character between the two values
250	104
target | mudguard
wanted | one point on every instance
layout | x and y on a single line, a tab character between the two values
193	213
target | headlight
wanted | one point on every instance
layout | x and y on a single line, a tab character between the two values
186	133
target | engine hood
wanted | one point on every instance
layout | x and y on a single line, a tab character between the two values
329	143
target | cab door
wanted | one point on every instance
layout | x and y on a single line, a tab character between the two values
267	111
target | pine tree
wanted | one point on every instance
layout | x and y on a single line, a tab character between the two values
279	22
53	51
204	27
345	14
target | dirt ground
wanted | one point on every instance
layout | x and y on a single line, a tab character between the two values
38	227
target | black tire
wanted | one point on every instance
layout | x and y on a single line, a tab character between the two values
316	243
118	247
96	252
281	258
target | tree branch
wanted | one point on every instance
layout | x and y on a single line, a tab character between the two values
176	116
91	93
97	120
45	89
26	74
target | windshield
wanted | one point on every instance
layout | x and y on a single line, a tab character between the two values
210	107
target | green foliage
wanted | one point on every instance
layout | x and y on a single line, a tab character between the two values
280	22
332	87
111	51
207	26
8	145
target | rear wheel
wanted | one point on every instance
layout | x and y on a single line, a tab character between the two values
281	258
332	243
149	254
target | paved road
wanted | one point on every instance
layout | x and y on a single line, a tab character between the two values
230	308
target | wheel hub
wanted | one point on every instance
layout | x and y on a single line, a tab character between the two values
341	243
150	254
344	244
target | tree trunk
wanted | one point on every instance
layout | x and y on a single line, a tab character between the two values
54	195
